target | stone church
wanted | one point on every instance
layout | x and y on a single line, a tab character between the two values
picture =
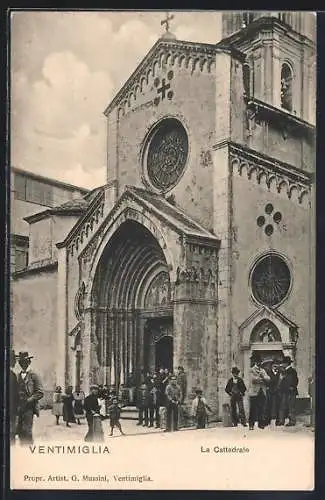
200	248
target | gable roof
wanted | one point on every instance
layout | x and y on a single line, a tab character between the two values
169	46
271	312
172	215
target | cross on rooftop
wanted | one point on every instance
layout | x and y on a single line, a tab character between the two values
167	21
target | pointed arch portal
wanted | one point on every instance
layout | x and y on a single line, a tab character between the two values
131	297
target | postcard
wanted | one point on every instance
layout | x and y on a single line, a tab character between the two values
162	251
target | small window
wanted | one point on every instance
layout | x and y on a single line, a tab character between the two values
21	258
286	87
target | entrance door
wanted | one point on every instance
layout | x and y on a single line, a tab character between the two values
164	353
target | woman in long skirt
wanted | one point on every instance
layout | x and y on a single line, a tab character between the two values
57	409
78	404
68	414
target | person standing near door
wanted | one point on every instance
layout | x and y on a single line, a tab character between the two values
288	391
142	404
236	389
257	393
173	400
154	399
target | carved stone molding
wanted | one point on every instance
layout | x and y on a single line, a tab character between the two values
79	303
274	176
171	54
88	226
195	275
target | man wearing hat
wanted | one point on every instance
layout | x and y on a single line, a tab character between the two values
236	389
288	393
30	391
13	397
257	393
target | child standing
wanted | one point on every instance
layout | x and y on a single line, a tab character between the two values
114	411
199	409
57	409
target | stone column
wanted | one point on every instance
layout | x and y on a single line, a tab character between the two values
86	328
223	229
61	365
195	319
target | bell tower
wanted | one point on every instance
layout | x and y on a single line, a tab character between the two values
280	57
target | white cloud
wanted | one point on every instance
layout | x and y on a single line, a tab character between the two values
66	67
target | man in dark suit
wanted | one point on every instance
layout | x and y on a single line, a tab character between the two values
288	391
13	398
273	400
92	409
30	391
236	389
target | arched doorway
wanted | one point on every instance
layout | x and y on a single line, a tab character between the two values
164	353
131	290
266	341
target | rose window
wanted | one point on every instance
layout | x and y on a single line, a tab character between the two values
166	154
270	280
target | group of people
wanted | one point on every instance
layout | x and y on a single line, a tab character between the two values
272	393
272	396
68	405
161	389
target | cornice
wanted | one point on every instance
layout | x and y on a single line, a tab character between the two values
48	180
271	172
179	53
36	268
257	158
262	110
264	23
88	222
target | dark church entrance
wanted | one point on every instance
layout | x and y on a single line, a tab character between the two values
159	343
164	353
132	307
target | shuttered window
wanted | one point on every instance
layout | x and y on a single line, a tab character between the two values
33	191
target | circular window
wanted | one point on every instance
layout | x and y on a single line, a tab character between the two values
166	154
270	280
269	230
269	208
260	220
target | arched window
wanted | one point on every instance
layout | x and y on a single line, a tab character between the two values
248	17
247	79
286	87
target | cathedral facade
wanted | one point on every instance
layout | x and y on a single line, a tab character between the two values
199	249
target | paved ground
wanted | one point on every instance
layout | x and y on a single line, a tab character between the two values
148	458
45	429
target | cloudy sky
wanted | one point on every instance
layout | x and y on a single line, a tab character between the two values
66	67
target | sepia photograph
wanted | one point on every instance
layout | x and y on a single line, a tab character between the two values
162	250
